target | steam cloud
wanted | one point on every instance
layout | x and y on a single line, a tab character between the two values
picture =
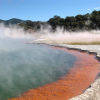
15	53
64	36
26	66
46	35
14	31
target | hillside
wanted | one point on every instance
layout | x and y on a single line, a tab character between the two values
11	21
89	21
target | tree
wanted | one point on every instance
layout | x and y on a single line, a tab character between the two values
70	19
95	18
55	21
79	18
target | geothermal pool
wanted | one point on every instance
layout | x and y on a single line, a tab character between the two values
79	77
28	66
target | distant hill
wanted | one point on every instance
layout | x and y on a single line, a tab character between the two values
2	20
12	21
89	21
26	24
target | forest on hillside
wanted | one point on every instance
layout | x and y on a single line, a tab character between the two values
87	21
78	22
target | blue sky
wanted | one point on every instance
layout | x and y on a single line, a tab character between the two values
43	10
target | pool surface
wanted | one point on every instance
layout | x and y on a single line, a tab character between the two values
28	66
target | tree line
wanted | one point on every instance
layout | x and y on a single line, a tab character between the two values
87	21
78	22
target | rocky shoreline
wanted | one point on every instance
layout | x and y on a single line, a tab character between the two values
92	93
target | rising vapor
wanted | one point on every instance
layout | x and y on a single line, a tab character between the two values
26	66
64	36
47	35
21	61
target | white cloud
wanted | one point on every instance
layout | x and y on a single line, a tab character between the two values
88	9
97	8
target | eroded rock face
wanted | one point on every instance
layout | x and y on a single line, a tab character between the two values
92	93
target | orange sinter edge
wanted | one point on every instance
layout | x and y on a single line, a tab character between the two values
74	83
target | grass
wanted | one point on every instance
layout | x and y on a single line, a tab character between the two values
70	43
85	43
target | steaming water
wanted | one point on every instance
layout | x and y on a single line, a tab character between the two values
26	66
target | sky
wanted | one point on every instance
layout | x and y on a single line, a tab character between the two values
43	10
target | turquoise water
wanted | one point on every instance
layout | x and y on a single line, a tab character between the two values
26	66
